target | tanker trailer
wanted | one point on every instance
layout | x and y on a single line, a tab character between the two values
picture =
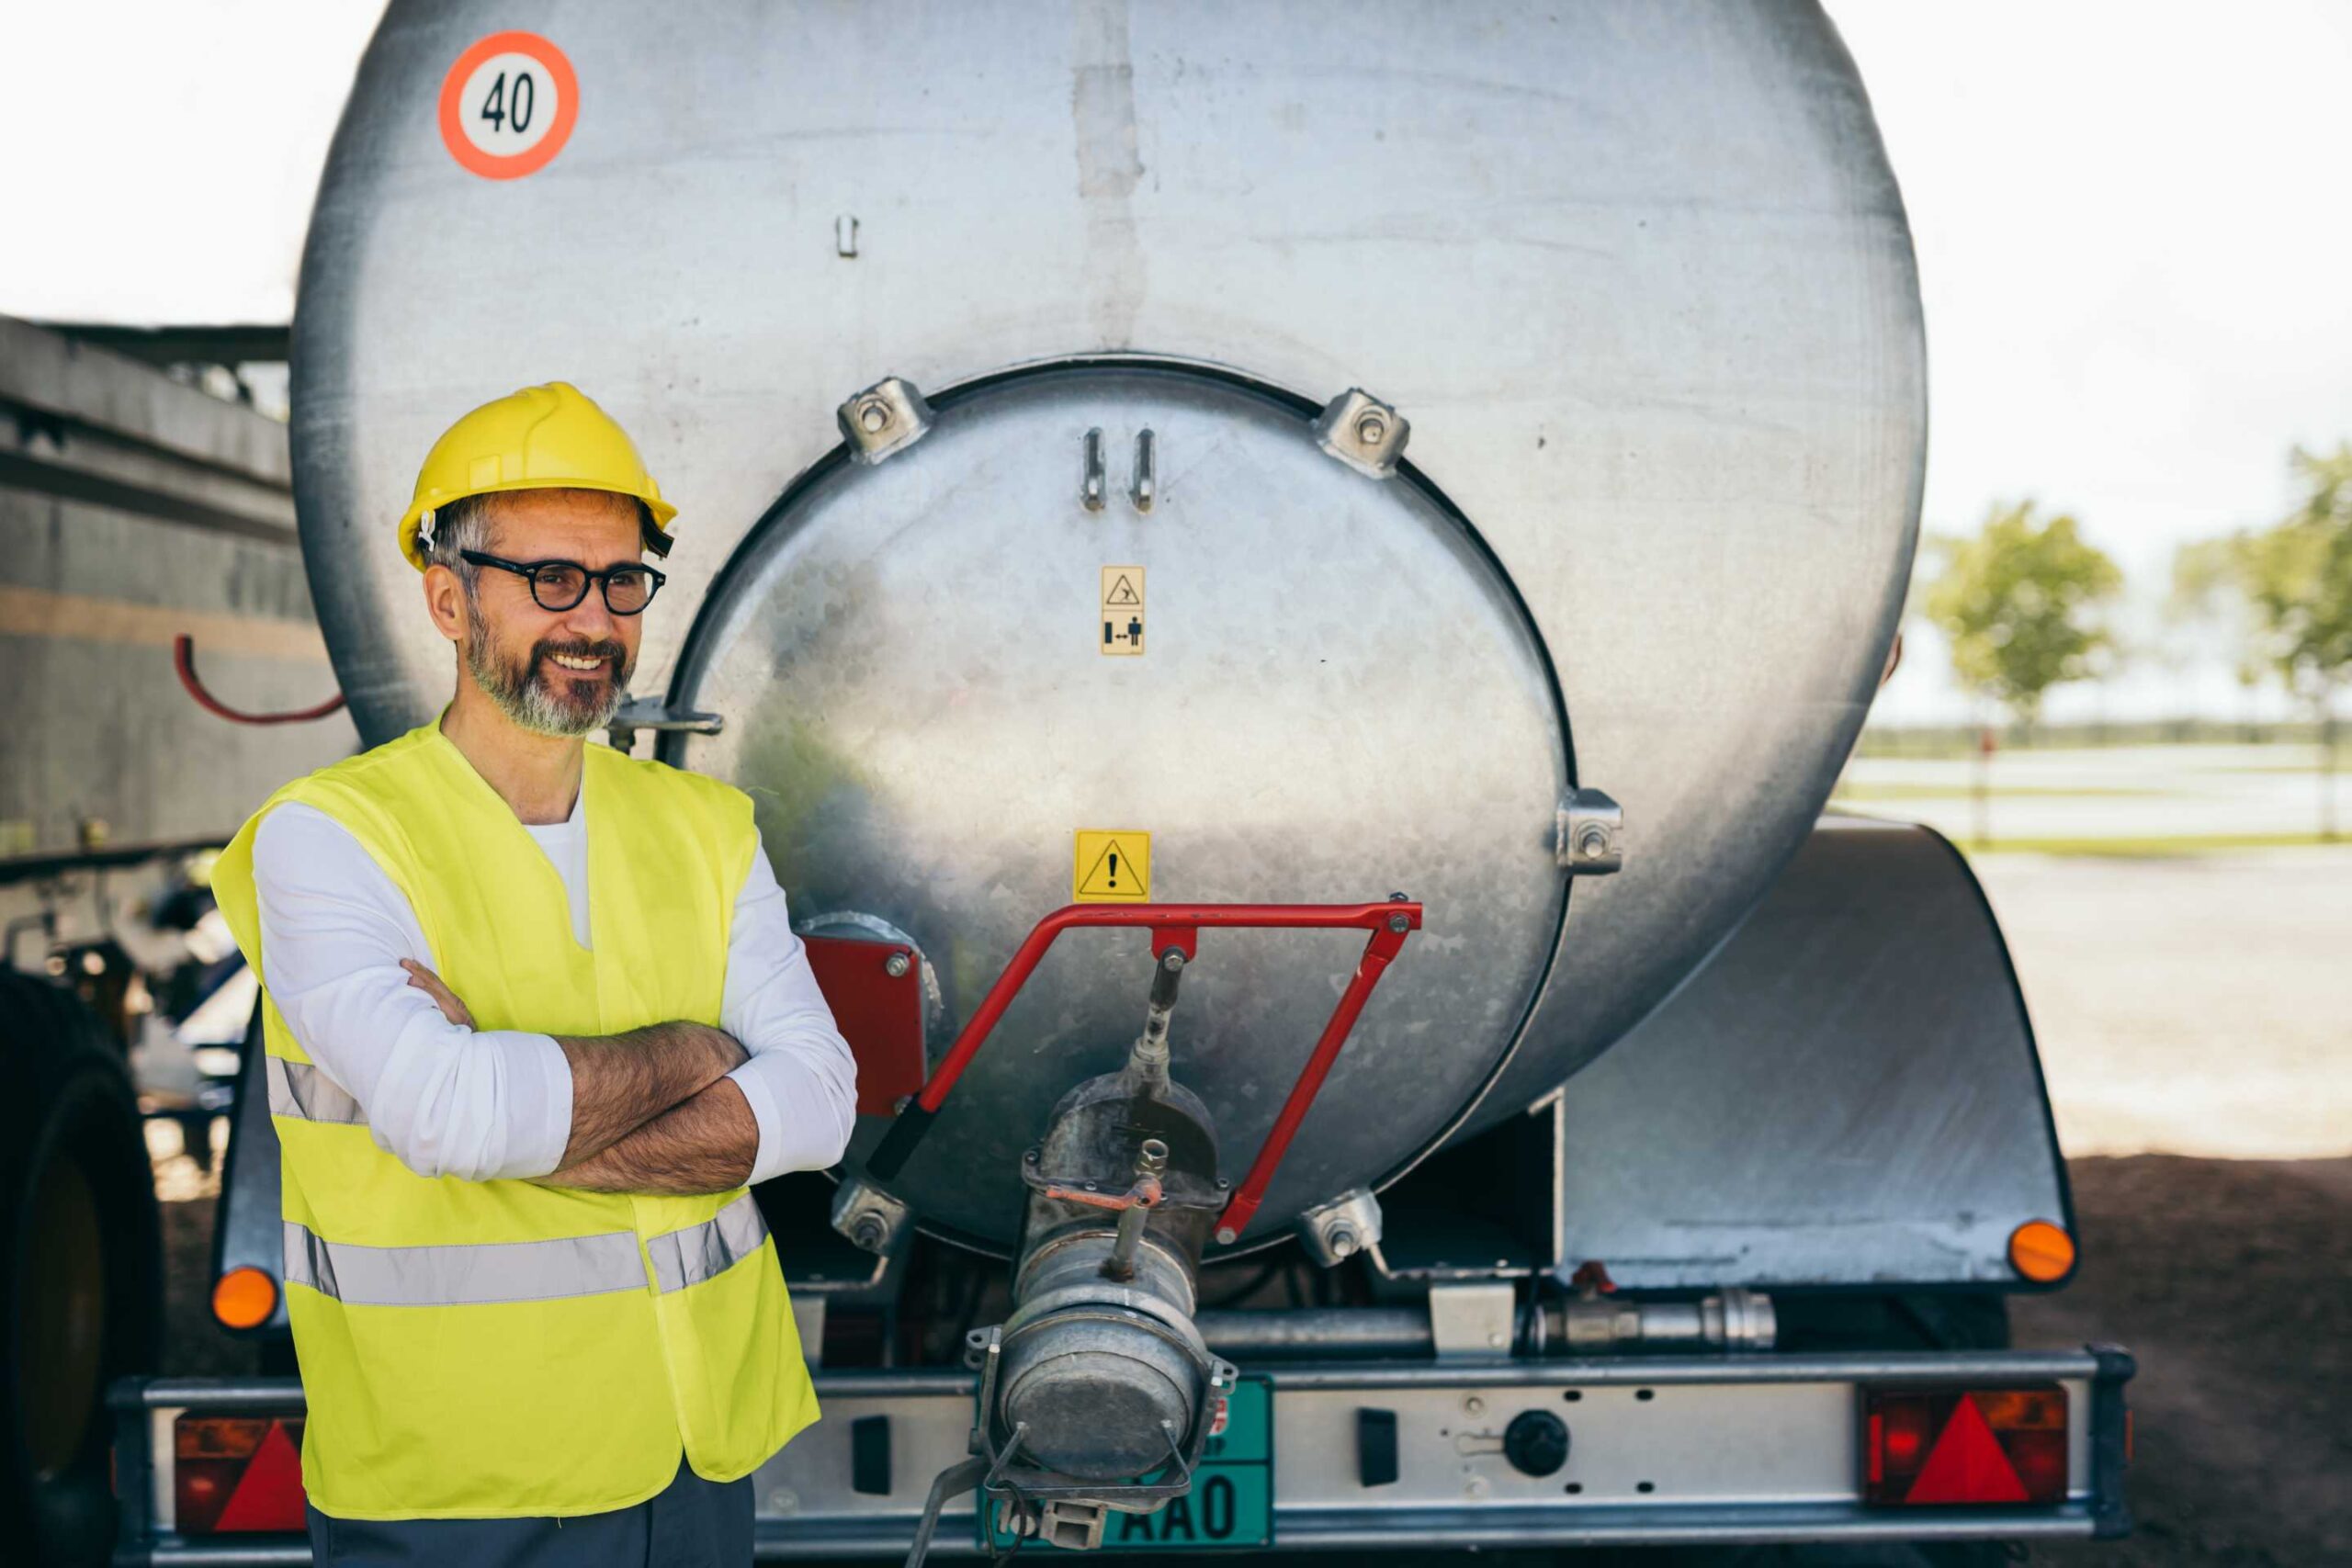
136	512
1281	583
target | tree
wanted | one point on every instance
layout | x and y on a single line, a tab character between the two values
2296	577
2206	588
2014	601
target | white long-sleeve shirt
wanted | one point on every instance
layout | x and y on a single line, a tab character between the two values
450	1100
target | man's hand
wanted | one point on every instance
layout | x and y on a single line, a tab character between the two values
623	1083
426	980
705	1144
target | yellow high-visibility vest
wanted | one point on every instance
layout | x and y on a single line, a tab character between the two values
488	1349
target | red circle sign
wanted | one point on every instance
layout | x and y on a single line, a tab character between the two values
507	106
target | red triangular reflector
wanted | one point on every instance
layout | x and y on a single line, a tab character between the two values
1967	1464
269	1493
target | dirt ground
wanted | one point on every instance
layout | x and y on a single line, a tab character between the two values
2230	1280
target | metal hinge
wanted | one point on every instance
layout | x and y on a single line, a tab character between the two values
1590	834
644	713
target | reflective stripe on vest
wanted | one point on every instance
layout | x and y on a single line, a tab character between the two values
702	1252
484	1273
299	1090
473	1274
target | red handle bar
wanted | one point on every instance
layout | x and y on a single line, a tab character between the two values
1178	926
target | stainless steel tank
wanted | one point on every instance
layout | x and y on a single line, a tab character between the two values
1637	275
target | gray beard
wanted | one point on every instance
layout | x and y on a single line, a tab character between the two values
524	696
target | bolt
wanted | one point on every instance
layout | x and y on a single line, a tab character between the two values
1172	960
1371	430
1029	1155
1226	1234
1340	1241
1495	1340
1473	1405
1399	924
874	416
896	965
1474	1487
869	1233
1593	843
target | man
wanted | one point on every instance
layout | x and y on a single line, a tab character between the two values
535	1017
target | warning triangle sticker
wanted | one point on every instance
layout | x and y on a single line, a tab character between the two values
1113	875
269	1493
1967	1464
1122	592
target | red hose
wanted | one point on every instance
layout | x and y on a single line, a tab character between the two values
183	662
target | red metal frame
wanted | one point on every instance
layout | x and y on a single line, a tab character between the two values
880	1013
184	662
1178	926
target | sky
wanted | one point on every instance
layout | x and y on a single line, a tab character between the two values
2129	220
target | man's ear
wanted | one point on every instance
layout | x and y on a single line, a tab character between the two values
445	600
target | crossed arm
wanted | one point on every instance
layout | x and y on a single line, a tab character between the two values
653	1110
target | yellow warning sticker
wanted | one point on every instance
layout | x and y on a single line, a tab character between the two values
1111	867
1123	609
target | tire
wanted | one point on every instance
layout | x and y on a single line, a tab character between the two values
81	1288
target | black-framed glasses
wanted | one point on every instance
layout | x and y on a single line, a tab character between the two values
560	584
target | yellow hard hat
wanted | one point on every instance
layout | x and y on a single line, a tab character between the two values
546	438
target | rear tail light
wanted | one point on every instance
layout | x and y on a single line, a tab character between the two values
243	1297
237	1473
2042	1252
1965	1446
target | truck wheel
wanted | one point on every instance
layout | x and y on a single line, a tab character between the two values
83	1277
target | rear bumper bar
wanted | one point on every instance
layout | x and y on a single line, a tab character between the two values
1686	1449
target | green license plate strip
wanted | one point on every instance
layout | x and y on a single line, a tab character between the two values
1232	1500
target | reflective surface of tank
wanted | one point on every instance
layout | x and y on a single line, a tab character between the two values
1637	275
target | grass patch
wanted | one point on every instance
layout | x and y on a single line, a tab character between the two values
2121	847
2310	770
1914	789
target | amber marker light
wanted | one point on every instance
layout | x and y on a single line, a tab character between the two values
243	1297
2042	1252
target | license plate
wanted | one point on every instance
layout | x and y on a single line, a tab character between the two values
1232	1500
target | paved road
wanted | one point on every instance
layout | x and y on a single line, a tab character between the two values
2118	791
2191	1005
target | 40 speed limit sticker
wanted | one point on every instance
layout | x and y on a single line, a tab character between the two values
507	106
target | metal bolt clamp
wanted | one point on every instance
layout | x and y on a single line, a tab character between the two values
1590	834
872	1219
887	417
1334	1232
1362	432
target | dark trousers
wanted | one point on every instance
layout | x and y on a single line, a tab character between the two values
693	1523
